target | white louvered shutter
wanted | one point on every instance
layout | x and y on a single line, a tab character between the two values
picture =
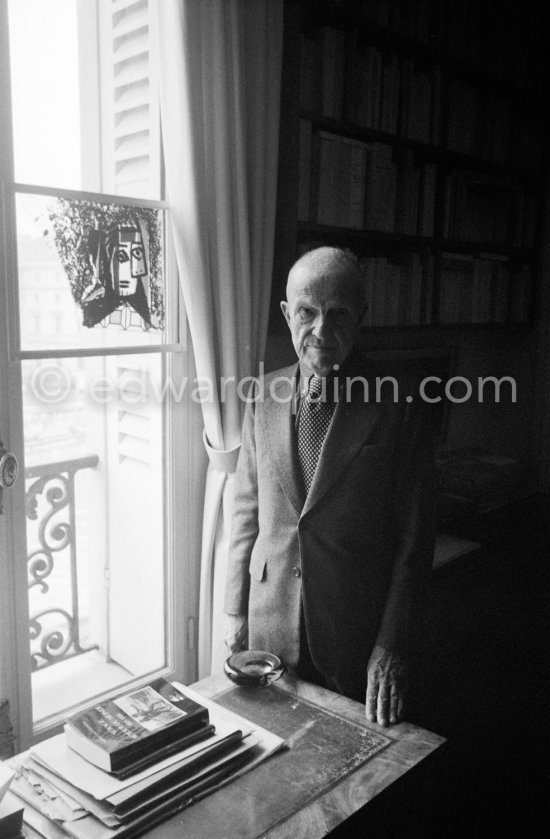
129	103
130	145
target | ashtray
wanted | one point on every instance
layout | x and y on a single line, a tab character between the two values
255	668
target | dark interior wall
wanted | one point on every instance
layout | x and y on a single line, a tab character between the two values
503	427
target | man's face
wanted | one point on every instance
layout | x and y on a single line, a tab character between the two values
323	311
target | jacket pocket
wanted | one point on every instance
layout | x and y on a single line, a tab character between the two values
257	567
375	448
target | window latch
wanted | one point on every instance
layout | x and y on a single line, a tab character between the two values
8	470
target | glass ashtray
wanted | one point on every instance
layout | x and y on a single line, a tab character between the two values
256	668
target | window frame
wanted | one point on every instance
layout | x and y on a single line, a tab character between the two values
183	428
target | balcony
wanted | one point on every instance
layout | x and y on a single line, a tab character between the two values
50	502
67	662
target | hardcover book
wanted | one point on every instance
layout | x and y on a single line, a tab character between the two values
126	729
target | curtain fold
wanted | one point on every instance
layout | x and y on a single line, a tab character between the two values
220	74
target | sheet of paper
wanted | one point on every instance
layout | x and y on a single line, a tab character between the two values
6	777
36	820
47	802
91	804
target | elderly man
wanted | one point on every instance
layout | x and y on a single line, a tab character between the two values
332	535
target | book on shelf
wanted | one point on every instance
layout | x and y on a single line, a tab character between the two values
381	185
389	98
333	42
456	287
525	218
426	199
304	170
528	142
125	731
481	291
397	291
521	292
420	126
310	68
463	117
495	128
437	105
475	289
328	210
341	181
362	82
477	207
407	192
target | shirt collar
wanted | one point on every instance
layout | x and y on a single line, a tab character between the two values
306	373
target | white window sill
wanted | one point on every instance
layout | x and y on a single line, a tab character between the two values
73	681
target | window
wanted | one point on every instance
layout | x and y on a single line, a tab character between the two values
97	361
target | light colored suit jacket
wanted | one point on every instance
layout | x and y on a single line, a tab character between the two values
357	550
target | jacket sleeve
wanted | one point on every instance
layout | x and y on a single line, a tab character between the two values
414	514
244	525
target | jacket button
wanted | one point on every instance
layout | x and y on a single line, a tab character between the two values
296	571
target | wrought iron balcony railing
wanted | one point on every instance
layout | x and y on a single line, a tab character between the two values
51	503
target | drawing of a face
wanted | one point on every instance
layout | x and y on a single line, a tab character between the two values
120	272
127	260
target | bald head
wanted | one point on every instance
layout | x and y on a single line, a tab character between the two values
324	307
327	261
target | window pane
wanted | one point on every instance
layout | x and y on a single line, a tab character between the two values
45	92
85	112
90	275
95	524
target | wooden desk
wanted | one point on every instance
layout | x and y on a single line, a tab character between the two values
235	811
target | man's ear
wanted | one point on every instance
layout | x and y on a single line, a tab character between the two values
285	310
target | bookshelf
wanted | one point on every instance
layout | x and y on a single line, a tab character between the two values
408	137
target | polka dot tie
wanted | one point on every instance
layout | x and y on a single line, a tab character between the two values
314	419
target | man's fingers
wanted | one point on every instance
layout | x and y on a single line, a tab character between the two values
233	643
401	704
236	632
236	642
386	683
371	700
395	703
383	705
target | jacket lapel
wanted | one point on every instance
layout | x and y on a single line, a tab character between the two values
353	422
279	422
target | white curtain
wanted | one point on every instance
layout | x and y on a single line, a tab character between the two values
220	67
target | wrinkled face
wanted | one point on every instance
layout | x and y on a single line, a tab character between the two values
128	261
324	310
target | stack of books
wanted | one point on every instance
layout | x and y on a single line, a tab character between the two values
131	761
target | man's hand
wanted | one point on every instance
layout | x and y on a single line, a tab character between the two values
236	632
387	676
